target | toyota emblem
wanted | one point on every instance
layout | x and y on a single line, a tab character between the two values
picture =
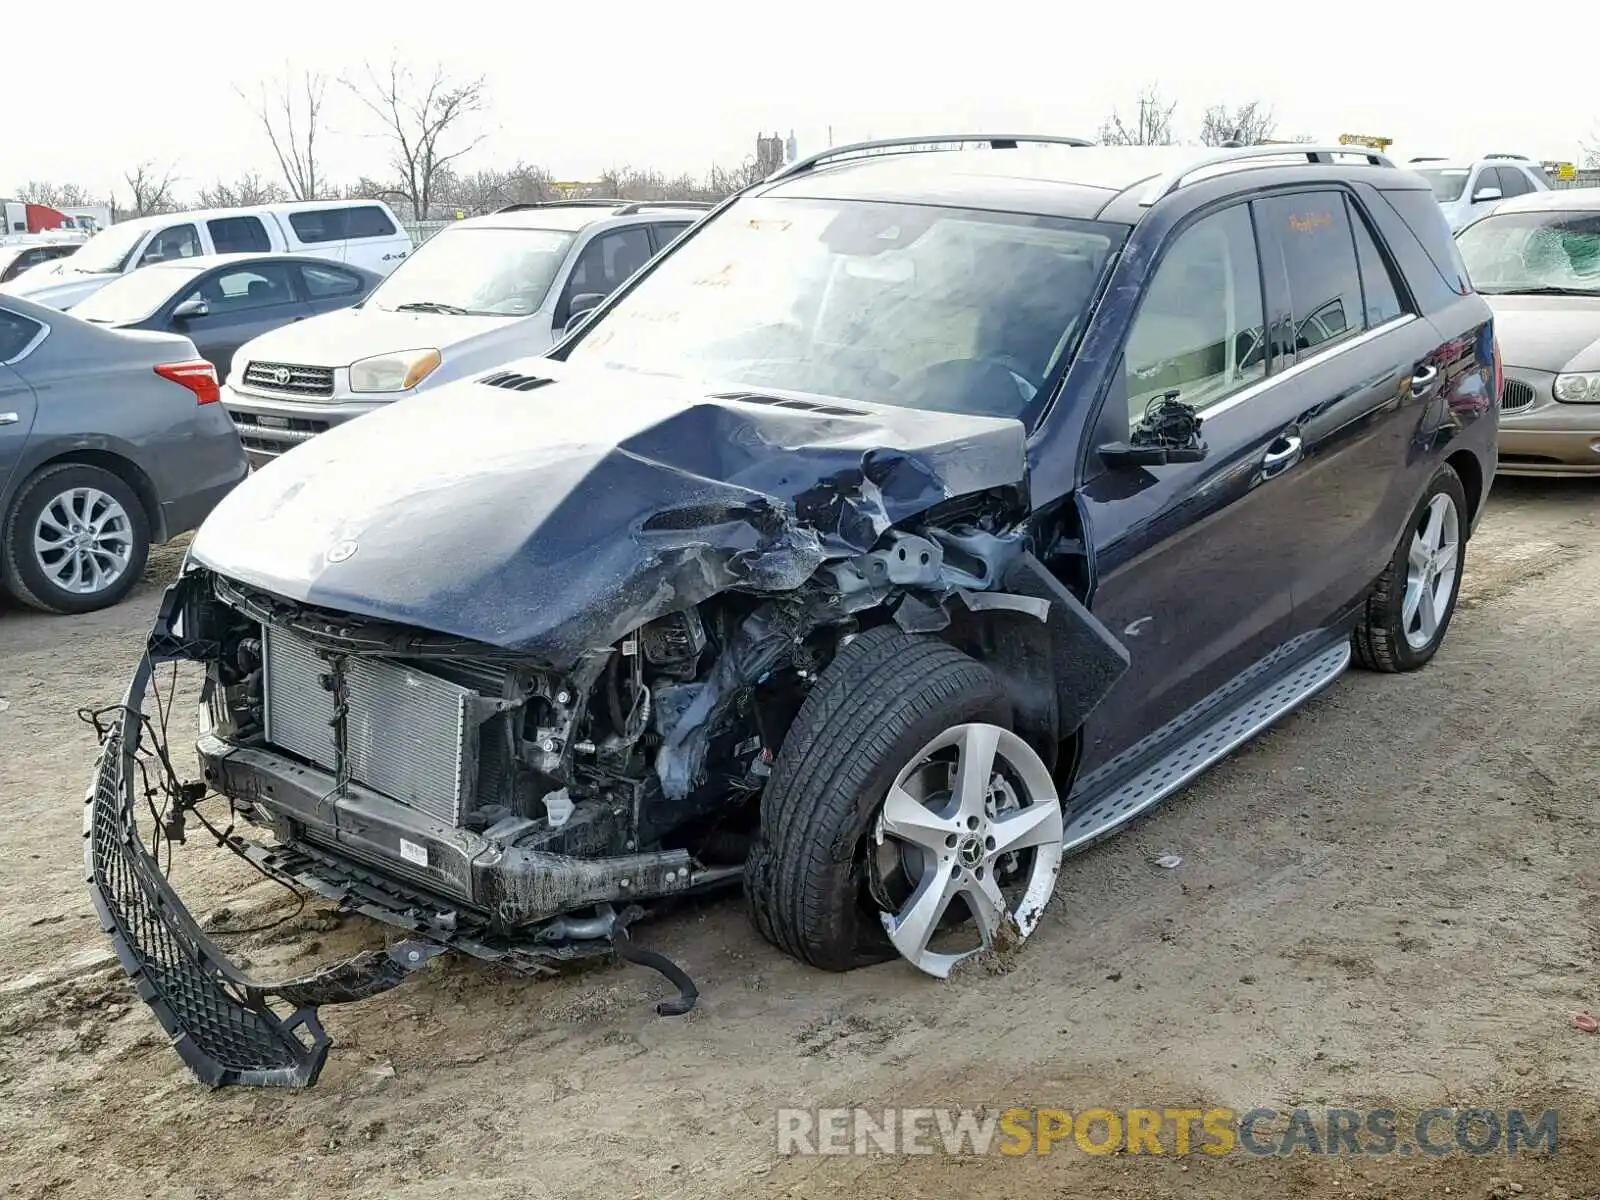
280	376
341	550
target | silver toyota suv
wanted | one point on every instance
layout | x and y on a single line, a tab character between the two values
481	292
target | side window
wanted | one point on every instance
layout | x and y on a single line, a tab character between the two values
368	222
239	235
321	283
1319	262
175	241
607	261
16	334
240	288
1513	182
1422	217
1381	299
1200	324
667	232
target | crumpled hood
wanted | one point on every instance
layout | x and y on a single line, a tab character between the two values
53	285
1548	333
557	519
340	338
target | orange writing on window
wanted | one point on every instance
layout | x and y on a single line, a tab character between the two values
1309	222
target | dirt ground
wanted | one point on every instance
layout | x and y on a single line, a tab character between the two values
1387	901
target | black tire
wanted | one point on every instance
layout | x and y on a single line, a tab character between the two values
885	696
23	576
1380	641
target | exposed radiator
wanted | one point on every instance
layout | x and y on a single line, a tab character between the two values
409	734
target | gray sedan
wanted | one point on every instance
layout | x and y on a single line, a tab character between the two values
109	441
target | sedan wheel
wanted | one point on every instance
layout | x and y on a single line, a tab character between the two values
972	823
75	540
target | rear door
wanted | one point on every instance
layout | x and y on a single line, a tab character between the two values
327	288
18	336
239	235
1191	555
242	302
1358	378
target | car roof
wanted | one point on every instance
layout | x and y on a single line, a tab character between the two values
570	218
1466	164
1555	200
162	220
204	262
1085	182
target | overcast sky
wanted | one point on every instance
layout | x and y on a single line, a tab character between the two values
680	84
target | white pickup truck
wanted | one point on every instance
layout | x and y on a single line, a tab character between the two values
362	232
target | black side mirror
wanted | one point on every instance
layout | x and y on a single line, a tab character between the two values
190	308
1168	433
580	309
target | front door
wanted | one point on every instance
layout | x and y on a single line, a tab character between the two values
241	303
1192	557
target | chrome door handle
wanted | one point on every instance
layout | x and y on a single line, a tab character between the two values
1423	381
1275	461
9	418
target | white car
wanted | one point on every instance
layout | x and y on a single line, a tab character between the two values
1468	188
484	291
361	232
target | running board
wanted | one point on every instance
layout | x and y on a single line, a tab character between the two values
1215	741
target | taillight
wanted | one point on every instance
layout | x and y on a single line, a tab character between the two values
199	377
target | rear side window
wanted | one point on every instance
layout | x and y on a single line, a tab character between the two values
239	235
1425	221
667	233
16	332
341	224
323	282
1312	230
1380	297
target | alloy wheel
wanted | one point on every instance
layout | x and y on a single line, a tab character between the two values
83	541
1433	567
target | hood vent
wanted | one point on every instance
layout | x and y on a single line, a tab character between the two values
514	381
810	406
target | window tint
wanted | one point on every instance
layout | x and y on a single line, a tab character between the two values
667	232
175	241
1381	299
607	262
1319	262
1427	224
339	224
323	282
16	331
1513	182
239	235
1200	325
258	286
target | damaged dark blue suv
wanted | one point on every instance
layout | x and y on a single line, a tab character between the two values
924	513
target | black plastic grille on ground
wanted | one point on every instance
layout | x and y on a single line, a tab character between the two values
223	1033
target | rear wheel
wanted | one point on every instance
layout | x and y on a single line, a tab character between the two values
903	815
76	540
1409	611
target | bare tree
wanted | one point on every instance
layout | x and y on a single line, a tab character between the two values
248	189
150	188
54	195
1152	126
424	120
1589	148
1248	125
291	114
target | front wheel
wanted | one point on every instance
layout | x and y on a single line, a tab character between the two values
1409	610
903	815
76	540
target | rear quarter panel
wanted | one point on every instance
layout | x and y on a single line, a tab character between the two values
98	392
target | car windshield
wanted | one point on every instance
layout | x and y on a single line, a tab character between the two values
133	297
1447	182
107	253
1532	252
477	271
951	309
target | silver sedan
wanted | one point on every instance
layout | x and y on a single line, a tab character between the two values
109	441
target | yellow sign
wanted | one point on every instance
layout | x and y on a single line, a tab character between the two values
1565	170
1362	139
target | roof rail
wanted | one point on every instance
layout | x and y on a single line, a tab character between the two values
1429	158
581	202
1166	184
926	144
1518	157
633	206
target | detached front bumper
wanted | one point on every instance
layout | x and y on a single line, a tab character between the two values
225	1026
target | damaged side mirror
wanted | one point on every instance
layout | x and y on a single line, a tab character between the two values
1169	432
